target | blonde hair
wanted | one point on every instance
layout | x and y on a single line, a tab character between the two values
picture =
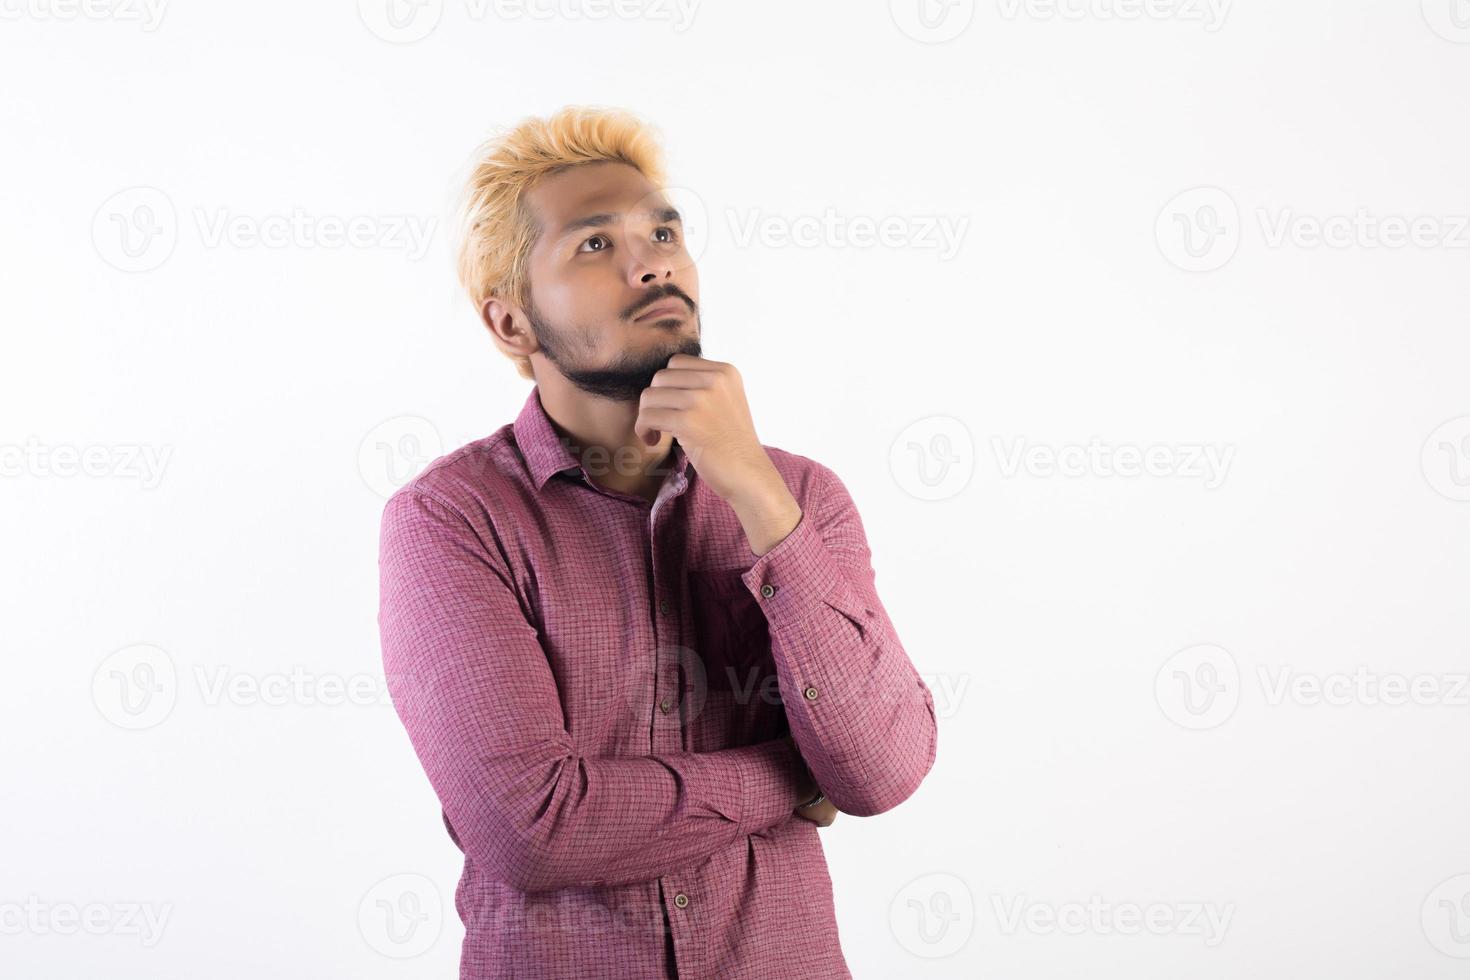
495	229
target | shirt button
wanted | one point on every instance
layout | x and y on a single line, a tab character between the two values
681	900
665	705
663	606
810	693
768	590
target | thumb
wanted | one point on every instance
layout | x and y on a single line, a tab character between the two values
648	434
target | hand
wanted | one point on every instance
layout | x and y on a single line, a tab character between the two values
702	402
822	814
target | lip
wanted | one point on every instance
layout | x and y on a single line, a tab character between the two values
670	307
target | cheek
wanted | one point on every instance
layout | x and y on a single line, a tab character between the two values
572	297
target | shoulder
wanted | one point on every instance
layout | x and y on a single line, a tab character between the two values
469	479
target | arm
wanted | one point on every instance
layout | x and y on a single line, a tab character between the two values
472	686
863	718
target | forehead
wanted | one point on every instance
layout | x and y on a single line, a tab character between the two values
589	188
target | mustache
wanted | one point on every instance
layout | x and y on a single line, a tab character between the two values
657	294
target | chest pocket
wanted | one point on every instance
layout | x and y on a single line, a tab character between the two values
731	635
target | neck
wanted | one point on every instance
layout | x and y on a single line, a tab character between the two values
600	434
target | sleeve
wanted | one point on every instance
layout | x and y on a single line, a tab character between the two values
472	686
861	715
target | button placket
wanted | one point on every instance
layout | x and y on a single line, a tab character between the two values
666	625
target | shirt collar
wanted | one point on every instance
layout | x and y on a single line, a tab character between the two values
546	452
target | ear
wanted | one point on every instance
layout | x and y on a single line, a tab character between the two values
508	327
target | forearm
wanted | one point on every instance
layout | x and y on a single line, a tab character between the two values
542	817
862	716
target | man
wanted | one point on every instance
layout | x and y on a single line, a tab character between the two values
638	653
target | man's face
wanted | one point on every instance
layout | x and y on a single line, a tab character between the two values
614	293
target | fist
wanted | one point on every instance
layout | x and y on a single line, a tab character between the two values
822	814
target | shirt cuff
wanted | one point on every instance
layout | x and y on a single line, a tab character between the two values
794	579
771	775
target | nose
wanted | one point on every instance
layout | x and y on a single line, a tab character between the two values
647	270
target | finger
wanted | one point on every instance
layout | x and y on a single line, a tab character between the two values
668	398
683	378
645	430
661	419
694	362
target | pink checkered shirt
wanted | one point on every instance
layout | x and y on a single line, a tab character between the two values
616	701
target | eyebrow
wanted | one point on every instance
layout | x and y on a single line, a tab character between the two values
662	215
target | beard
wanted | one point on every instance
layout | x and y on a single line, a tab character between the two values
628	374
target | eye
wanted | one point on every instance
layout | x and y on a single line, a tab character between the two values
596	238
671	235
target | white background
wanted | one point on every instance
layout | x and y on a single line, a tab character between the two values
287	384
